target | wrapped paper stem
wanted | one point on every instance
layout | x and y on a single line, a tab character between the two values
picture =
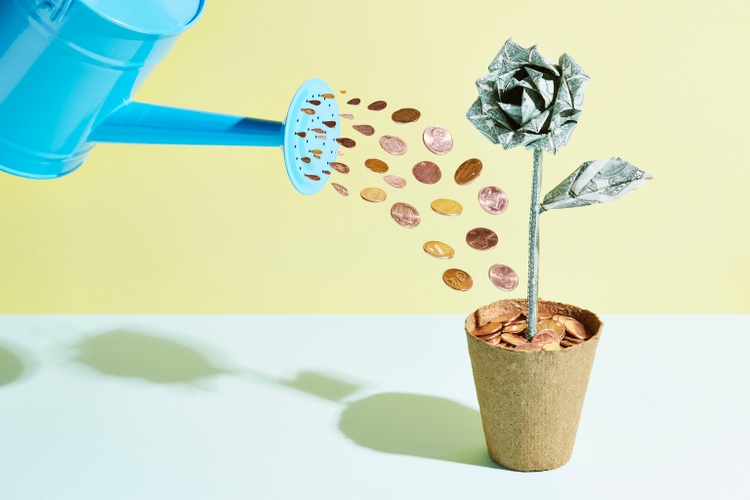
532	292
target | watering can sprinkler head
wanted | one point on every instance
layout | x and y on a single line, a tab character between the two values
69	68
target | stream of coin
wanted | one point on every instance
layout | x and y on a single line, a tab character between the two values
436	140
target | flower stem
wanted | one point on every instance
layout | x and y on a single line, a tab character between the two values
533	288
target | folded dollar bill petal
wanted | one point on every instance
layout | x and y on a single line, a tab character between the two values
597	181
533	101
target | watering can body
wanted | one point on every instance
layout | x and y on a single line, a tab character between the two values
68	69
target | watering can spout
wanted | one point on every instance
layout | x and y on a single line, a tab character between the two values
140	123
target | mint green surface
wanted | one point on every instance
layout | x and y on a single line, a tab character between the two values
347	407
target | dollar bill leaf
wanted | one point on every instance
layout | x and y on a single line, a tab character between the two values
594	182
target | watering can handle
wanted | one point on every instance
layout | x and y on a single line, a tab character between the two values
140	123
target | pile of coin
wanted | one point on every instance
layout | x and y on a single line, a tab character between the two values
554	333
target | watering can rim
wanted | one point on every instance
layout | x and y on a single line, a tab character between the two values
184	27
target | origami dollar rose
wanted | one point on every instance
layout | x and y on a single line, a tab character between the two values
527	100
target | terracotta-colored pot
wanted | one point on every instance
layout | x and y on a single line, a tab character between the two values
531	401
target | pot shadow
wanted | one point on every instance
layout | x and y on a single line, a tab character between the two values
419	426
128	354
12	366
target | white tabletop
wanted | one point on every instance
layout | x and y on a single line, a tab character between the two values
351	407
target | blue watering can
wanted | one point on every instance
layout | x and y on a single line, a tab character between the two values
68	69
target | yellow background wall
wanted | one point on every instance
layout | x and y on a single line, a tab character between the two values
165	229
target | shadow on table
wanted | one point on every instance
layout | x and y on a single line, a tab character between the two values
417	425
11	366
123	353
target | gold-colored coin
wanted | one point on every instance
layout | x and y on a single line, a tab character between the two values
488	329
513	338
439	249
377	166
554	346
316	151
551	324
444	206
406	115
515	327
468	171
458	279
328	96
373	195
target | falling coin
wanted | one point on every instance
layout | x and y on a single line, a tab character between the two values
493	200
318	130
328	96
393	145
308	111
468	171
405	215
457	279
346	142
348	116
481	238
340	167
373	195
377	166
340	189
321	137
426	172
406	115
444	206
439	249
327	172
314	102
437	140
316	151
329	123
395	181
301	134
313	177
306	159
377	105
367	130
354	101
503	277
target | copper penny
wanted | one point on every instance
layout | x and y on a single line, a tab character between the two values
301	134
354	101
330	123
493	200
426	172
405	215
395	181
551	324
313	177
367	130
468	171
545	336
573	327
306	159
457	279
348	116
346	142
340	189
393	145
318	130
308	111
314	102
503	277
439	249
377	105
515	327
513	338
327	172
321	137
377	166
437	140
373	195
342	168
488	329
444	206
406	115
482	238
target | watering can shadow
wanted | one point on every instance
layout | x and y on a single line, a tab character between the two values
68	69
